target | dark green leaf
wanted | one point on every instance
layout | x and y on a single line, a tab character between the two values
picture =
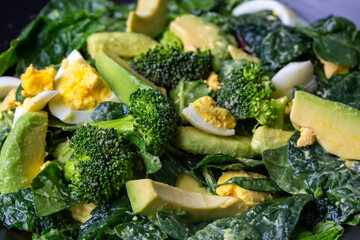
51	193
209	178
223	161
173	225
335	40
194	5
139	229
17	210
255	184
18	95
107	111
187	92
322	231
343	88
56	123
104	216
169	172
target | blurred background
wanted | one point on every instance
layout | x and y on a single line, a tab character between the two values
16	14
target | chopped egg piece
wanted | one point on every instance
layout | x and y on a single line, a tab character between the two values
307	137
239	54
213	82
82	211
34	104
80	88
36	81
242	193
9	101
204	115
7	84
333	68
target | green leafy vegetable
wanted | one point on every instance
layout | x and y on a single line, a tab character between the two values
223	161
255	184
17	210
322	231
107	111
187	92
335	39
173	225
50	192
343	88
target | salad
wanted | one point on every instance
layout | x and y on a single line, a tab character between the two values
180	120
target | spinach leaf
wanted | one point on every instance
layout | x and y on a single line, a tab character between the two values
50	192
17	210
322	231
107	111
281	172
223	162
281	46
209	179
335	39
69	232
227	228
173	225
343	88
54	39
255	184
336	188
169	172
104	216
139	227
187	92
275	219
194	5
56	123
6	122
18	94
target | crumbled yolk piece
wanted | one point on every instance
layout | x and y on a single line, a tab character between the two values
81	87
333	68
9	101
215	116
36	81
307	137
213	82
242	193
82	211
239	54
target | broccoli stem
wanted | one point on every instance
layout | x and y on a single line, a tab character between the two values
122	125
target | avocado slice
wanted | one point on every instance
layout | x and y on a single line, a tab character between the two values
23	152
190	184
208	36
123	44
336	125
265	138
119	76
148	196
193	140
149	17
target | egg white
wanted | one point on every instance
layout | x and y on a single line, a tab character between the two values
285	14
35	104
197	121
7	84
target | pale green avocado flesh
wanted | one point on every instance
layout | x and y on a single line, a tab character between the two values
148	196
336	125
23	152
193	140
123	44
119	76
265	138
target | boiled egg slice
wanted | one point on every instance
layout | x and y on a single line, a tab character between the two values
80	89
204	115
7	84
285	14
34	104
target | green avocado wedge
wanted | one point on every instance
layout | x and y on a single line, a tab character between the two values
119	76
23	152
148	196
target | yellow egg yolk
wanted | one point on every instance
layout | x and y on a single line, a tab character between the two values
36	81
81	87
242	193
215	116
213	82
9	101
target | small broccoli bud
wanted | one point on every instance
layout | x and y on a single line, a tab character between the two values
167	65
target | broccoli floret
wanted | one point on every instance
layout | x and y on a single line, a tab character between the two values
246	93
101	164
152	116
167	65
